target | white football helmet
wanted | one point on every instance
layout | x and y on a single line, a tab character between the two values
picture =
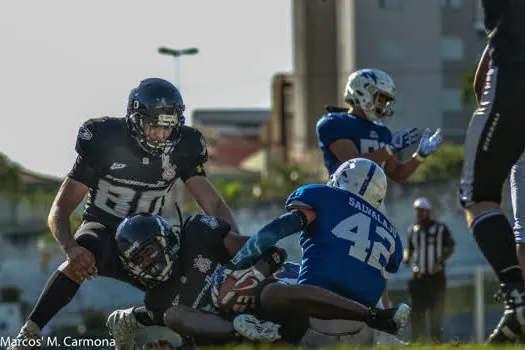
373	91
363	178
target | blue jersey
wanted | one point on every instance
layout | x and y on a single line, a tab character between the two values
366	135
350	245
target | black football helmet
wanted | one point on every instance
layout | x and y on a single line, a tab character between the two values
148	247
159	103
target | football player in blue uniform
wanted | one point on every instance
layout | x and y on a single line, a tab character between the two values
359	131
348	245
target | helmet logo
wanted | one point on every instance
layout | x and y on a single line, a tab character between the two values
161	103
370	75
84	133
136	104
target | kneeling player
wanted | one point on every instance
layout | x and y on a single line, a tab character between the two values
206	243
348	245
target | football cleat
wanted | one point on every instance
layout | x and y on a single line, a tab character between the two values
252	328
27	337
512	324
392	320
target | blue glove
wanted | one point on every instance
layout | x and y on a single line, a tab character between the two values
403	138
428	144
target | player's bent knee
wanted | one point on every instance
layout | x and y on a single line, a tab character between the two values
275	295
478	210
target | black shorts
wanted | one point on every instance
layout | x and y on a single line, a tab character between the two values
101	242
495	138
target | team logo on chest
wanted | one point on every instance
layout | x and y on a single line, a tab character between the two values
169	169
202	264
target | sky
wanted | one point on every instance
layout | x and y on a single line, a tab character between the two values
63	62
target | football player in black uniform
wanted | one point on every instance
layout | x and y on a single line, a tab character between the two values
126	166
494	142
206	245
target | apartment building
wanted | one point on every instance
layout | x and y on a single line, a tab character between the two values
427	46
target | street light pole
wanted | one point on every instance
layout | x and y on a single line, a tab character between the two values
178	188
176	54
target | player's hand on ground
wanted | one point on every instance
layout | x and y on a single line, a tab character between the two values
235	290
82	262
403	138
159	345
429	144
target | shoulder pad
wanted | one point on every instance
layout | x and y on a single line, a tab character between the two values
335	109
204	224
192	144
94	133
304	196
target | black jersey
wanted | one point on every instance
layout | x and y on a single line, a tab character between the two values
201	253
505	24
123	179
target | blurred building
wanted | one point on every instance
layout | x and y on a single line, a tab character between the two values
25	214
426	46
234	138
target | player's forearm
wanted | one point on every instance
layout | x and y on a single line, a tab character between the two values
403	171
223	211
58	222
379	156
284	226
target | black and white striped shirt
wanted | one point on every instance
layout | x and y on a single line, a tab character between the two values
428	247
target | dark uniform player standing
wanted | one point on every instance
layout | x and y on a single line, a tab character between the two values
493	144
127	165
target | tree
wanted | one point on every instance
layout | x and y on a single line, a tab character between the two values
10	178
467	86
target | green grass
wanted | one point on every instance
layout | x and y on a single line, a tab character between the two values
341	347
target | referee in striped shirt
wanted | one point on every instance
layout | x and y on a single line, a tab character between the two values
430	244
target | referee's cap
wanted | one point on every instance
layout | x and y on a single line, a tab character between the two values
422	203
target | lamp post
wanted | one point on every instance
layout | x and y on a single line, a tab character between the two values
178	188
176	54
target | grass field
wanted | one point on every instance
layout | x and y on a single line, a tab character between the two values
415	347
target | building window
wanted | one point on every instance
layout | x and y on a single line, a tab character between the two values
451	48
390	4
451	4
451	100
479	17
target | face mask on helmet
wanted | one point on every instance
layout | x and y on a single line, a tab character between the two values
381	108
362	178
155	115
151	261
148	247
